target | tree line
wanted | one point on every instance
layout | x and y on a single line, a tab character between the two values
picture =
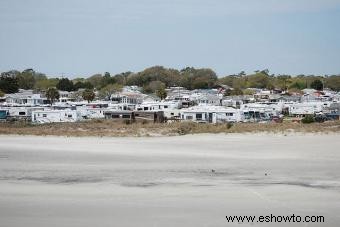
156	79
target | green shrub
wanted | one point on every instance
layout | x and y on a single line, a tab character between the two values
308	119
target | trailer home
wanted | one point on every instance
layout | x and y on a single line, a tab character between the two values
119	115
91	113
158	106
21	113
50	116
211	114
269	108
306	108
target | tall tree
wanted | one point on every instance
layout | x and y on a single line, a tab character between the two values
9	83
169	77
26	79
192	78
96	80
235	91
317	85
283	81
333	82
260	79
78	85
52	94
108	90
153	86
107	79
44	84
88	95
65	84
161	93
121	78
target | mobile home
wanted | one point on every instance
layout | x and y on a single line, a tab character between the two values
49	116
211	114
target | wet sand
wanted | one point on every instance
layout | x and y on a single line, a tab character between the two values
167	181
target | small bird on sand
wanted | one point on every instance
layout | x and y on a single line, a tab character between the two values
213	171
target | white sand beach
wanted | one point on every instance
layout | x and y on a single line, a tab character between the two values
167	181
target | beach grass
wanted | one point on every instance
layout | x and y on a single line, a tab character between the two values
120	129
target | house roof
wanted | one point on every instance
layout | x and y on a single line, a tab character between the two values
204	108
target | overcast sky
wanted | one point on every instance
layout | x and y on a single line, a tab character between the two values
83	37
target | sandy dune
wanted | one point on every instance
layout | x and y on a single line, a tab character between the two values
54	181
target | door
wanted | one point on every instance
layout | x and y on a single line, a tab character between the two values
210	117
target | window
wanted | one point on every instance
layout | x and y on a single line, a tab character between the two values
165	107
246	115
115	116
198	116
44	115
229	114
189	118
69	116
126	116
22	113
146	108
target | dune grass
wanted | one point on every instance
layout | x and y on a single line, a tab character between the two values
120	129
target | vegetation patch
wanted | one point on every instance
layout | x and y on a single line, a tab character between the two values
120	129
308	119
